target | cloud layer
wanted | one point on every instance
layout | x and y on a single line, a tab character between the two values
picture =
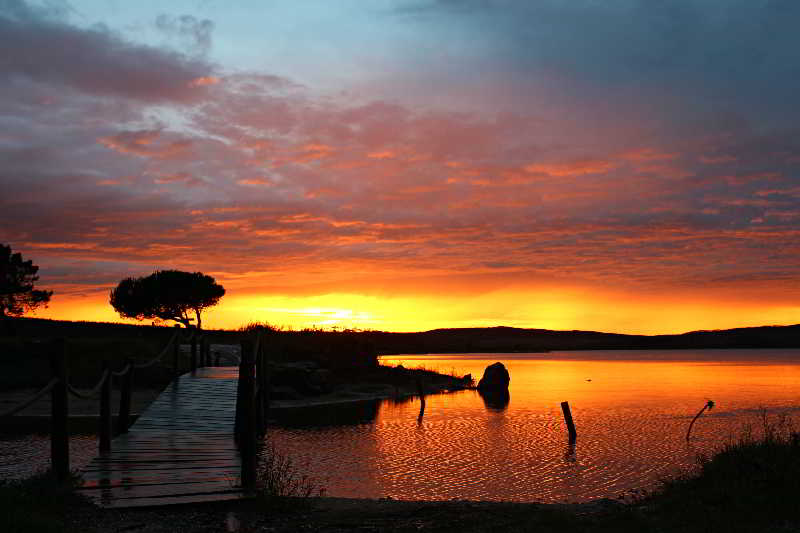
121	157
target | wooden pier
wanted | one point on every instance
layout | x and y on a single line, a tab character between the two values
180	450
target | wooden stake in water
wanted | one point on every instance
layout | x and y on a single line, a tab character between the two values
709	405
421	392
568	419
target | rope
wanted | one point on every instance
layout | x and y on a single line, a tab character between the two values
32	399
191	335
161	355
124	371
92	393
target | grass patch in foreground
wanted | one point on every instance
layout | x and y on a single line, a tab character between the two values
280	481
36	504
749	485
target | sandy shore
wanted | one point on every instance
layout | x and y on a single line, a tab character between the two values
354	393
330	515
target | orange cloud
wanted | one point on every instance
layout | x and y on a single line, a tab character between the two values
577	167
143	143
204	81
385	154
255	181
648	154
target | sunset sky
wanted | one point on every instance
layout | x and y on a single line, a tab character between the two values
629	166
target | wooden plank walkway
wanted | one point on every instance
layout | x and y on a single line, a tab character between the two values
180	450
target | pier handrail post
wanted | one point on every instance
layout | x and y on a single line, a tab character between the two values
123	420
176	352
259	400
568	419
267	383
239	418
59	411
194	353
246	415
104	432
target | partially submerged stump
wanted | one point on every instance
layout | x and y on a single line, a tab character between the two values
495	378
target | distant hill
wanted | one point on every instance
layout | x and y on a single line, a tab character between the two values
505	339
463	340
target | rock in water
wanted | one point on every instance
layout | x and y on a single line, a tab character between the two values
494	377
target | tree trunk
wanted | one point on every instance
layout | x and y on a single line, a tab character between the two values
197	314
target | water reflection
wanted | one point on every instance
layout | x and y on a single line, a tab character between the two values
570	455
495	400
632	418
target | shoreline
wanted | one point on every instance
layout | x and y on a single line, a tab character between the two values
336	514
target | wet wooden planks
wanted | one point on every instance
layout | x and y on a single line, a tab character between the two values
180	450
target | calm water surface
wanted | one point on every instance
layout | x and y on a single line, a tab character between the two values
631	409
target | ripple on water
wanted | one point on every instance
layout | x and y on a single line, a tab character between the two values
632	420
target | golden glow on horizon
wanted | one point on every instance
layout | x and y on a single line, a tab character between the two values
547	309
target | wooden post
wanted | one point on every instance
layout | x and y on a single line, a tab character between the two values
421	392
568	419
176	353
264	384
260	414
240	398
104	432
201	362
194	352
59	413
216	359
247	415
126	391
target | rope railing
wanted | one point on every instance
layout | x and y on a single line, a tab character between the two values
161	355
33	399
193	332
94	391
59	389
124	370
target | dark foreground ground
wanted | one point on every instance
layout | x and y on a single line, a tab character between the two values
749	486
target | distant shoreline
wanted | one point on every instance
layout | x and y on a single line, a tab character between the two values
461	340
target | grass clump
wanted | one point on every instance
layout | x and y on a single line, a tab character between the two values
279	479
37	504
751	484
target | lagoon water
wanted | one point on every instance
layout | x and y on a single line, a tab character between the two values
631	419
631	409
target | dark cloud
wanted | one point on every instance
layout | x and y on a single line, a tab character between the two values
688	56
47	50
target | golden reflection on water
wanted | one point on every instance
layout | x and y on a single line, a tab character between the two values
631	417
